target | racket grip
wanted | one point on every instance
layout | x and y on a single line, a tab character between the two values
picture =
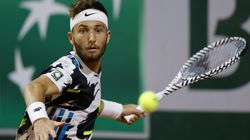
129	117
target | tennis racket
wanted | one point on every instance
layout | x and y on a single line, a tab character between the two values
206	63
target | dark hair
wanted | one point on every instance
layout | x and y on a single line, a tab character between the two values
81	5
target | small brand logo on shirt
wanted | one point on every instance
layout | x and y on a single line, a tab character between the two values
57	75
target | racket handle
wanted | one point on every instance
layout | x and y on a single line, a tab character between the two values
129	117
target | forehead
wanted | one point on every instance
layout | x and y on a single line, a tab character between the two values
91	24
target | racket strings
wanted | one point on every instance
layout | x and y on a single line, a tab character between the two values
212	58
223	53
207	62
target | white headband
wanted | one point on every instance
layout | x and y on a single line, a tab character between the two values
89	14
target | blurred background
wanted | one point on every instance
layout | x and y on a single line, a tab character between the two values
150	41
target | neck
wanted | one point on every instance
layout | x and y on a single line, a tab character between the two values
94	66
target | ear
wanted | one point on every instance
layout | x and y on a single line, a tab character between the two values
70	36
108	36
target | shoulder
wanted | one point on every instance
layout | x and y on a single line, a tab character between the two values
67	62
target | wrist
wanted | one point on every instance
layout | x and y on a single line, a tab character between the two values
111	109
36	110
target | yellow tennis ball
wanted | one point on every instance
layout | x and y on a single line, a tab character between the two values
148	101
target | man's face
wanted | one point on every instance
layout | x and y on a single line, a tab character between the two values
89	39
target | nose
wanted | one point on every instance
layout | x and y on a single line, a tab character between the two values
92	38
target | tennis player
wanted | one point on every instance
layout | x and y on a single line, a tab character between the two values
65	100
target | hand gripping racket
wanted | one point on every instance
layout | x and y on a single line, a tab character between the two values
208	62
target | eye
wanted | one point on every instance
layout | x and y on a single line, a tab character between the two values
99	30
82	30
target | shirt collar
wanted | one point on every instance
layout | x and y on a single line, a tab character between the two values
85	68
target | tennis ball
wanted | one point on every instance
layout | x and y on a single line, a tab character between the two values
148	101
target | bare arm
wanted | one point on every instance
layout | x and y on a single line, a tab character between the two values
36	91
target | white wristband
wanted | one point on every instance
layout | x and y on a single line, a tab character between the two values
111	109
36	111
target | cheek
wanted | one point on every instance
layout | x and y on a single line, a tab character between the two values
81	40
102	40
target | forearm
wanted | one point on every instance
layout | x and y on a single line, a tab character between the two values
34	95
34	92
38	89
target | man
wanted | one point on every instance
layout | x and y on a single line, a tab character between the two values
64	102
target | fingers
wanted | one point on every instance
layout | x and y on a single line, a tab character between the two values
133	119
37	137
59	124
53	133
140	114
45	127
42	134
132	110
52	129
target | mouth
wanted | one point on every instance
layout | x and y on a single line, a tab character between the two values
93	49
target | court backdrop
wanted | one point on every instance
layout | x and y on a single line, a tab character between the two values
34	34
217	108
150	41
